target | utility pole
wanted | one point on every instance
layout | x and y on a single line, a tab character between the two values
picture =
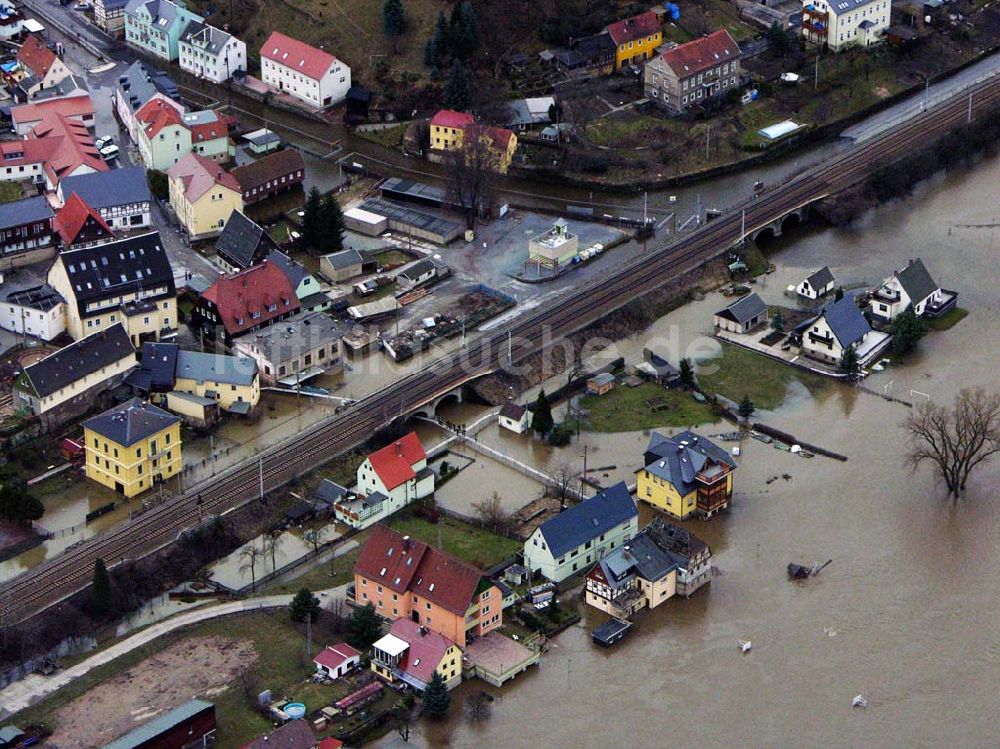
673	206
261	474
743	227
510	357
309	634
585	462
708	134
968	118
211	450
698	220
816	76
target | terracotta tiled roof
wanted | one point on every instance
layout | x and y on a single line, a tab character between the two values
500	136
636	27
299	56
393	463
71	146
72	218
694	57
73	106
334	655
271	167
238	296
35	56
199	175
157	114
451	118
426	651
408	565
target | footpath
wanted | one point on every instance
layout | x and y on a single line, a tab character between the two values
31	689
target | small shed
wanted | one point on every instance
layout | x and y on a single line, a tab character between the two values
514	417
337	660
743	315
601	383
346	264
196	410
818	284
655	368
365	222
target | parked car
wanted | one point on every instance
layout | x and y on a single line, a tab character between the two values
109	153
84	6
104	140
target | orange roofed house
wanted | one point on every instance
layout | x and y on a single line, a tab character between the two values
453	131
407	579
244	302
79	225
388	480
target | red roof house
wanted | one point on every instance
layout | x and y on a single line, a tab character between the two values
336	660
66	147
246	301
156	114
330	743
79	224
636	27
299	56
425	652
399	462
451	118
701	54
36	58
27	116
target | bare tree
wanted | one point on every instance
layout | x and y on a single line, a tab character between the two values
477	705
272	545
316	537
956	440
492	514
248	562
249	679
470	172
563	479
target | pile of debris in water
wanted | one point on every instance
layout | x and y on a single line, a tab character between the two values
801	572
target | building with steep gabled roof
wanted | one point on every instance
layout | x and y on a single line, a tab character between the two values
244	302
911	285
120	196
155	26
685	475
242	243
210	53
40	62
403	578
203	195
635	38
412	653
688	74
306	73
27	117
79	225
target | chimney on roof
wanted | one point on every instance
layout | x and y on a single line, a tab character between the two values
406	542
423	630
399	447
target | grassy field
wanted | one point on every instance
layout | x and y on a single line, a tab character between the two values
390	137
465	541
949	321
624	409
740	372
337	571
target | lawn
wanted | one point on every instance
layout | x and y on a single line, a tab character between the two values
463	540
624	409
948	321
329	574
391	258
739	371
390	137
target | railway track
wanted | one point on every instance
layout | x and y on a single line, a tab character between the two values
67	573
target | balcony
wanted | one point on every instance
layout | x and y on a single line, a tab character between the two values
882	294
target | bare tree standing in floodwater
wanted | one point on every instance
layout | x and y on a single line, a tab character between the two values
956	440
470	173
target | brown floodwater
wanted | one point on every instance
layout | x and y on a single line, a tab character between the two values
905	614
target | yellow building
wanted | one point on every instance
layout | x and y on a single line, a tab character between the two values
412	653
132	447
685	475
231	381
635	38
450	131
203	195
129	281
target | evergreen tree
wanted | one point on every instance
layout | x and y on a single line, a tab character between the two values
687	373
838	294
850	367
746	408
304	606
393	19
907	330
17	503
541	418
778	322
456	90
437	699
436	49
462	33
334	226
363	627
312	221
102	595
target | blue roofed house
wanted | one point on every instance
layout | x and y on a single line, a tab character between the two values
685	475
307	290
839	325
120	196
577	537
155	26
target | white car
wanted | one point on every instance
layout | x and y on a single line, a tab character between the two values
109	152
104	140
84	6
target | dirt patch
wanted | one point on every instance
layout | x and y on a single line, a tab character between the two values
160	683
881	92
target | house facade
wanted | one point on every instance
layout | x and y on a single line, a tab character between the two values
161	135
839	325
203	195
742	316
270	175
128	281
637	576
136	86
206	52
26	233
132	447
337	660
210	134
514	417
38	311
232	382
243	243
406	579
121	197
109	16
412	653
452	131
243	303
845	23
155	26
71	381
635	38
79	225
692	72
911	285
577	537
685	475
41	63
818	284
308	74
28	118
299	348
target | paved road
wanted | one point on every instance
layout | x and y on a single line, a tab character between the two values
24	693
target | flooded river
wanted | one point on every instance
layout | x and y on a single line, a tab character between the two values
905	614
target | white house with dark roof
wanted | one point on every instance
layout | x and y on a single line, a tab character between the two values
743	315
155	26
120	196
839	325
914	285
206	52
38	311
817	284
581	535
243	243
514	417
840	24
